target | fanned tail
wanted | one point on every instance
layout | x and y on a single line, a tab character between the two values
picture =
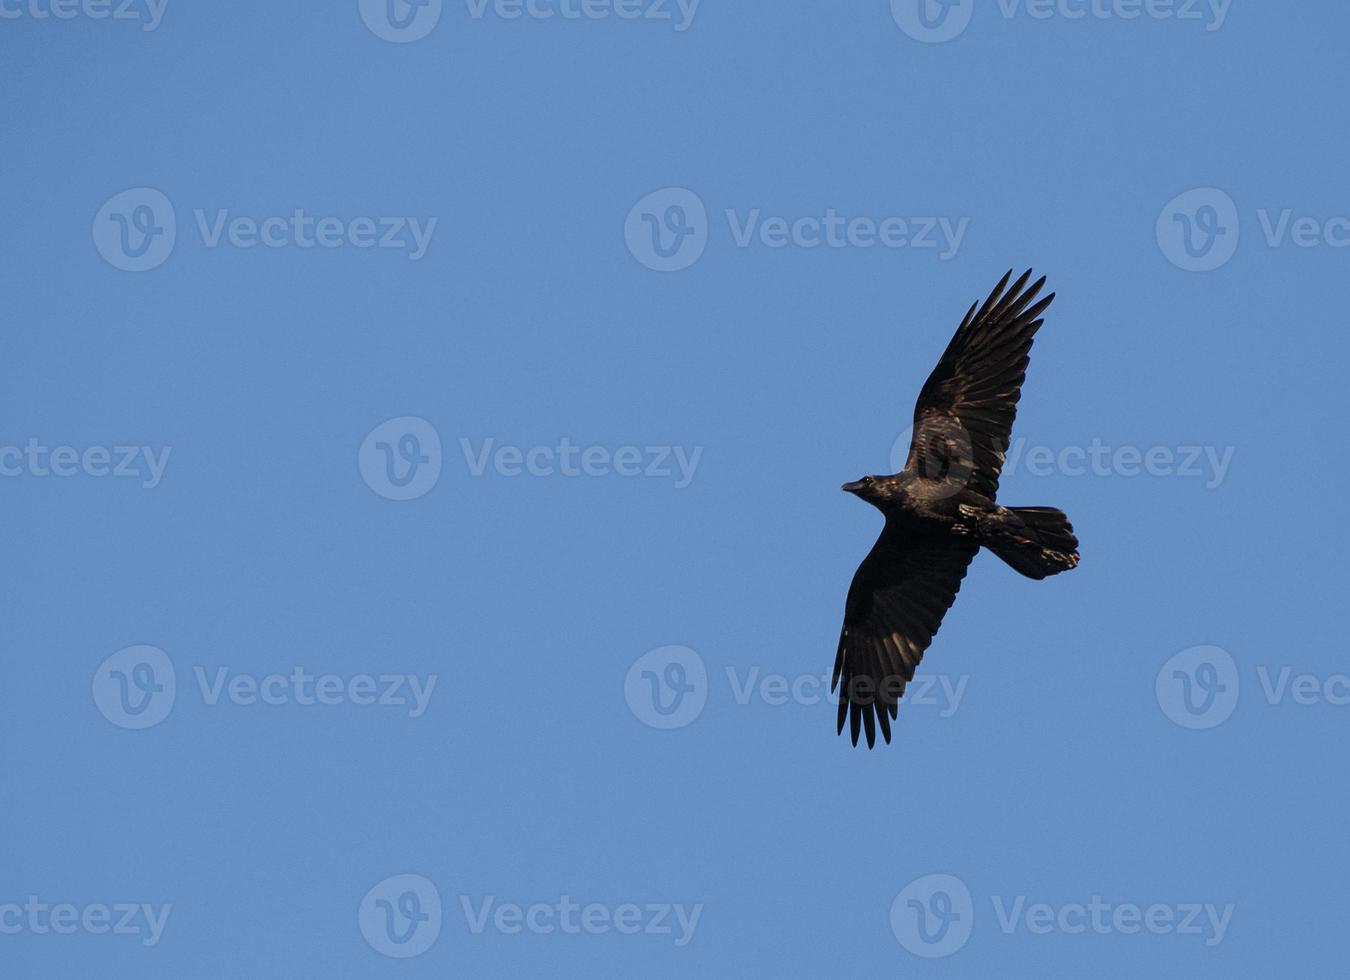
1036	541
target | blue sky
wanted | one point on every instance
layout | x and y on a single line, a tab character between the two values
421	447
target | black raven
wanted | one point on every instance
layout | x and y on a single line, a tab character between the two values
940	509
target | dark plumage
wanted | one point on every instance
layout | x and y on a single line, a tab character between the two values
941	508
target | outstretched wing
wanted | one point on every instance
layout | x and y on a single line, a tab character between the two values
897	600
964	414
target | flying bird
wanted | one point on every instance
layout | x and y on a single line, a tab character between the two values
940	509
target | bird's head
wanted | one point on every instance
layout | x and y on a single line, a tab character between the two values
873	489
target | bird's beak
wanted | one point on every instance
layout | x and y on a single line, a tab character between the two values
853	487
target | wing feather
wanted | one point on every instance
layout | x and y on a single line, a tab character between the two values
897	600
964	415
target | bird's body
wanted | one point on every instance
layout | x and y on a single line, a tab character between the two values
942	508
923	502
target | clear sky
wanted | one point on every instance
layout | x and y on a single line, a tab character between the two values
421	435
